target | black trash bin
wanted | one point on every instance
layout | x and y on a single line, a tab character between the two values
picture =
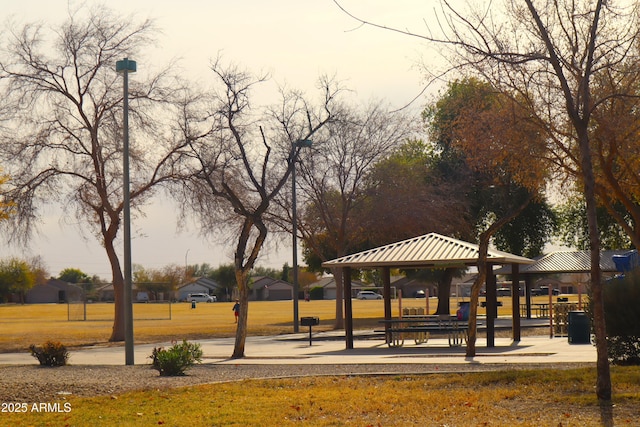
579	328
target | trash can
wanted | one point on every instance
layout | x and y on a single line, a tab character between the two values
463	311
193	304
579	330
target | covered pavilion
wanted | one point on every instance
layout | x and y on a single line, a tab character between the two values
429	251
563	262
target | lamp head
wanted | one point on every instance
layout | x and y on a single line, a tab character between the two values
304	143
126	65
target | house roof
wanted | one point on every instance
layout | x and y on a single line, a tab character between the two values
429	250
62	285
264	281
202	281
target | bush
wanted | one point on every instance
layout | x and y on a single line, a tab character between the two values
624	350
52	353
621	298
175	360
316	293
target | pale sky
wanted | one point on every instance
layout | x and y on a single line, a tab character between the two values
294	40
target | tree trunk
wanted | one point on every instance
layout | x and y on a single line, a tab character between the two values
337	276
117	333
242	278
444	291
483	249
603	382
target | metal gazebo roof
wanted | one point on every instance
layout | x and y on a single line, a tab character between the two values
429	250
569	261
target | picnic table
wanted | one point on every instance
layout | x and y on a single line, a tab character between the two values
538	309
419	328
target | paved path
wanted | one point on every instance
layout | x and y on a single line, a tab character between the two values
329	348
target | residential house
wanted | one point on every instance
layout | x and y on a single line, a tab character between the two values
268	289
201	285
328	285
54	291
410	287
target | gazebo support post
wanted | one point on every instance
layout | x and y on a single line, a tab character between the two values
515	301
528	282
348	307
491	305
386	283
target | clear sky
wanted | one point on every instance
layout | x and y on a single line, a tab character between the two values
294	40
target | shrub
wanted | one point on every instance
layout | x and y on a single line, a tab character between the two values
316	293
52	353
621	298
624	350
175	360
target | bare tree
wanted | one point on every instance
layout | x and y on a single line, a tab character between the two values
241	158
549	54
64	144
333	180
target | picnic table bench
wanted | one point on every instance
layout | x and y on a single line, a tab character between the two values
419	328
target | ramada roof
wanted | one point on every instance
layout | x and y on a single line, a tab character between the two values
429	250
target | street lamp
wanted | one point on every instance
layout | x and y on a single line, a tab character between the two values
302	143
125	67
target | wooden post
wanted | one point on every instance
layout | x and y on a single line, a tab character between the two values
491	305
426	295
550	312
386	282
528	281
348	307
515	301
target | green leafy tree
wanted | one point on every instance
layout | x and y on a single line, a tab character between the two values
493	177
15	277
158	281
407	196
555	70
574	229
333	182
74	275
225	276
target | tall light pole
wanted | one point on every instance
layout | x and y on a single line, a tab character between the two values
125	67
294	220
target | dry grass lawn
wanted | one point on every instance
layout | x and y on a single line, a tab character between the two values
509	398
545	397
22	325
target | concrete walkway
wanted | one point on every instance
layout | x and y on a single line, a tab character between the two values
329	348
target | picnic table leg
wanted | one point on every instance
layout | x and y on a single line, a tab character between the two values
421	337
397	340
454	338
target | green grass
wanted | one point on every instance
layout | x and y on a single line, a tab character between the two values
509	398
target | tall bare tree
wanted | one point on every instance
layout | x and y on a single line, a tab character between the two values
64	143
334	180
241	158
551	55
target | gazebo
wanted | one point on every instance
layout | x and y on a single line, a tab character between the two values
563	262
429	251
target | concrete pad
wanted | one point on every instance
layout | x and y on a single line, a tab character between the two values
329	348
